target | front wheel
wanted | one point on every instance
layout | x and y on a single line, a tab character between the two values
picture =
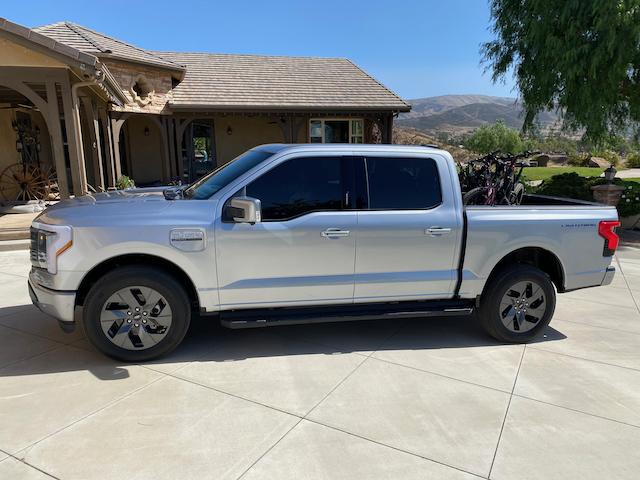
136	314
518	304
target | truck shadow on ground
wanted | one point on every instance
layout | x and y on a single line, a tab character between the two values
207	341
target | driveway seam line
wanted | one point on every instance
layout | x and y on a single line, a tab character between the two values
189	380
597	326
564	407
29	465
269	449
439	375
317	422
585	359
506	413
335	387
30	446
624	277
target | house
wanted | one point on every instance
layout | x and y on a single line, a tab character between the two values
79	109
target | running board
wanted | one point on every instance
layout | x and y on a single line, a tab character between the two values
264	317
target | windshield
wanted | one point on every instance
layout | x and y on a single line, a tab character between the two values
220	177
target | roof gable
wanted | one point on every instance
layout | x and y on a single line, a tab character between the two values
101	45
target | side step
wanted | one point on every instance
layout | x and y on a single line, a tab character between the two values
264	317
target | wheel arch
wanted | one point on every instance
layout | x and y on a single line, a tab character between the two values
539	257
137	259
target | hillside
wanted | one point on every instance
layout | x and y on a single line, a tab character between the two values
459	114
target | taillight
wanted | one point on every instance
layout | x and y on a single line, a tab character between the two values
607	230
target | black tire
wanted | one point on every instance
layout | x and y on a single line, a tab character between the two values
492	312
122	278
474	196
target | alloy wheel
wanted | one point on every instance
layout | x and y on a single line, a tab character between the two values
522	306
136	318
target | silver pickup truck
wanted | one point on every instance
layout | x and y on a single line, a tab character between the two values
311	233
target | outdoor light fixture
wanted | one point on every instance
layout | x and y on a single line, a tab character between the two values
146	131
229	130
610	174
18	146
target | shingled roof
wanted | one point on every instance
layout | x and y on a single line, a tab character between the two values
244	82
225	81
101	45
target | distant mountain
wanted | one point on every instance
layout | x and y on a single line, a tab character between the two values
462	113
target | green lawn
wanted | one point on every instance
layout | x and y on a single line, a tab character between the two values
543	173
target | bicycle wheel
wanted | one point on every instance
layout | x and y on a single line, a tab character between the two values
475	196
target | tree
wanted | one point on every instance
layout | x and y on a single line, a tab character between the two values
581	57
489	138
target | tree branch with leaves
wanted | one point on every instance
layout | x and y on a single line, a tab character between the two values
581	57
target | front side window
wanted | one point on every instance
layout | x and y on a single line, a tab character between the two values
336	131
403	183
299	186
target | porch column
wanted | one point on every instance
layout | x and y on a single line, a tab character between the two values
108	147
94	136
55	134
116	127
170	127
387	129
74	141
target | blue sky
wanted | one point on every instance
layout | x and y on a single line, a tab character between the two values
418	48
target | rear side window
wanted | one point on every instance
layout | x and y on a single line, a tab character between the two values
403	183
299	186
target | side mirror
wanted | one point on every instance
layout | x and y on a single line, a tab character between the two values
244	210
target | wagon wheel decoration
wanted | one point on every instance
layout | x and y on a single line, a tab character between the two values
22	183
51	191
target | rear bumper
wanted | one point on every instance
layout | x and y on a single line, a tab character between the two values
608	276
58	304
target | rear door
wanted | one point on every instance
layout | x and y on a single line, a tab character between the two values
409	233
303	250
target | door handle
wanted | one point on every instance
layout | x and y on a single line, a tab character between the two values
437	231
335	233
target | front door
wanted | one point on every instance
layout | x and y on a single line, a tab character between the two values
408	235
303	250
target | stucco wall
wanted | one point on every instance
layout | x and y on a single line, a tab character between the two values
246	133
145	152
16	55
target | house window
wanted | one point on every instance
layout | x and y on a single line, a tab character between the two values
336	130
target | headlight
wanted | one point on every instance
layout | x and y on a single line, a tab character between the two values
48	242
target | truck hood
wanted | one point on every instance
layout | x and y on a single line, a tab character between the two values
97	207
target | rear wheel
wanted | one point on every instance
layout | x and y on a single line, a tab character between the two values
518	304
136	314
475	196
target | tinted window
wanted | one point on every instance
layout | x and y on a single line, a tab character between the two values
403	183
299	186
210	184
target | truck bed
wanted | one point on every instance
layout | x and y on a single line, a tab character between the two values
566	228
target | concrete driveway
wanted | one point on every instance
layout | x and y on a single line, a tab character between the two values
414	399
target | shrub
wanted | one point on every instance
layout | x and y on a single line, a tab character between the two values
572	185
489	138
630	200
125	182
633	160
577	159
